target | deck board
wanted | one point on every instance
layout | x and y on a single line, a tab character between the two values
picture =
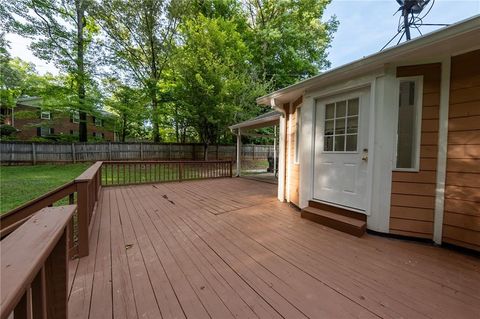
227	248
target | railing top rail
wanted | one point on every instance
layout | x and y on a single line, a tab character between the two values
165	162
89	173
10	219
25	251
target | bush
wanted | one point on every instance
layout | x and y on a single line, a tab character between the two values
7	130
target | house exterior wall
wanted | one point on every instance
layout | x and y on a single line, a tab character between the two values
461	222
293	169
413	193
27	120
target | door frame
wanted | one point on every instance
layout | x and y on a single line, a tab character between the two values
363	83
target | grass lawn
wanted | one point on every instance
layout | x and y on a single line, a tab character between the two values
19	184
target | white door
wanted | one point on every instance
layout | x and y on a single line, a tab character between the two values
341	150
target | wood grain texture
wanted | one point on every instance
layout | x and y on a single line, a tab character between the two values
227	248
462	192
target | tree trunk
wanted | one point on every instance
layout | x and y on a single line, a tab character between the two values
82	125
205	151
124	128
156	133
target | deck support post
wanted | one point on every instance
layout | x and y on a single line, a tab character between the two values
83	218
239	149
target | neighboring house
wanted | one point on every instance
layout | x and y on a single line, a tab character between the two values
31	121
392	140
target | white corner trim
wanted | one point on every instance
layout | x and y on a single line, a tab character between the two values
281	158
288	161
442	151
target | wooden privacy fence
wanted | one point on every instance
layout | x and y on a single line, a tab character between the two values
27	152
38	239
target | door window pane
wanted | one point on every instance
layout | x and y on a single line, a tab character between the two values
330	111
352	125
351	143
329	127
328	141
341	109
341	126
340	143
353	107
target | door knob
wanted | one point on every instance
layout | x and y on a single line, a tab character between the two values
365	155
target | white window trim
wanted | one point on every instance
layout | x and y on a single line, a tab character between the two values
418	125
76	117
98	122
45	115
298	128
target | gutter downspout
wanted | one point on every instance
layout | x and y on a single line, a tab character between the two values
281	150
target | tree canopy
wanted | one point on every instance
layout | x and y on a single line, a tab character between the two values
180	70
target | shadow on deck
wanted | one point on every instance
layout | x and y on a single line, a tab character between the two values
227	248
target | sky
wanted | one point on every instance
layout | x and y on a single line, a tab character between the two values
365	27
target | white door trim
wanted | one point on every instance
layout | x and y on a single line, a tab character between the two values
442	151
346	92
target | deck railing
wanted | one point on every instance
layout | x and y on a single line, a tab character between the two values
39	239
85	189
141	172
34	266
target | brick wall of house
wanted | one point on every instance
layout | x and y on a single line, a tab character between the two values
27	120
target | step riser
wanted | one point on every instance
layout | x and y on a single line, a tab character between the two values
335	224
337	210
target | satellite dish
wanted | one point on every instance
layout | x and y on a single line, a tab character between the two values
411	18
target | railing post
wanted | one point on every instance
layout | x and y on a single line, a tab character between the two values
180	172
56	278
34	154
83	217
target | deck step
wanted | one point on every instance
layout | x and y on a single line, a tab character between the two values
349	225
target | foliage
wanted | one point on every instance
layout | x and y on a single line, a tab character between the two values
140	37
7	130
287	38
176	70
214	83
61	32
129	104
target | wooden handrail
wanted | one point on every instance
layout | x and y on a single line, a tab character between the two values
89	173
35	256
14	218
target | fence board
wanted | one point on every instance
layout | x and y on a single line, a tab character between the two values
28	152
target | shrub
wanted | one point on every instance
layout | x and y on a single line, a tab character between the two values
7	130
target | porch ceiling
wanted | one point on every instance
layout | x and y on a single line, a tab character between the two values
265	120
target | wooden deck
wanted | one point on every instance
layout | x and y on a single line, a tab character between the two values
226	248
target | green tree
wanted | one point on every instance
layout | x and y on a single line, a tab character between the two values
214	81
129	104
62	32
140	37
288	39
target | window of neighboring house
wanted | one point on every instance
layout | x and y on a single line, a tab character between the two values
103	135
75	117
45	131
341	126
44	115
98	122
72	132
94	134
298	135
409	116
